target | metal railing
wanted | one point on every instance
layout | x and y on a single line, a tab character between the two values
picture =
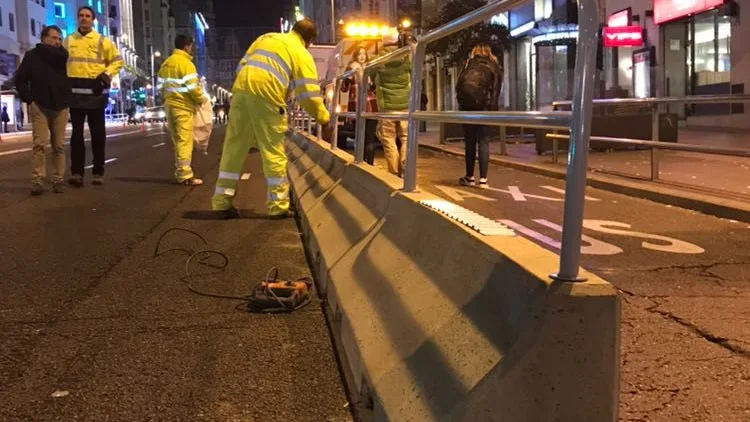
655	144
578	121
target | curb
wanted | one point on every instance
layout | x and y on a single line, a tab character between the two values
712	205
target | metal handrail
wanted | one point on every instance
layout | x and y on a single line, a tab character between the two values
529	119
734	152
656	104
578	121
690	99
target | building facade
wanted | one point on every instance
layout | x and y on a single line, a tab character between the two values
689	47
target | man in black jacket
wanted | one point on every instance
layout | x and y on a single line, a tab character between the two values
42	82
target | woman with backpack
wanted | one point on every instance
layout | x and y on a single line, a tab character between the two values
359	59
477	89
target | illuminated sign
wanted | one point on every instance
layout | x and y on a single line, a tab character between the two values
619	19
667	10
501	20
626	36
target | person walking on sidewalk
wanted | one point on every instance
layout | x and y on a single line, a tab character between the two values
182	93
5	118
359	59
19	119
477	89
42	83
93	61
392	83
274	64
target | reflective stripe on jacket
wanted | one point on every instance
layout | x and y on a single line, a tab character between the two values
276	64
179	82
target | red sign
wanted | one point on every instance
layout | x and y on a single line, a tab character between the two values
619	19
626	36
667	10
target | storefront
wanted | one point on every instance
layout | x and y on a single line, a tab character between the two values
629	56
542	58
696	39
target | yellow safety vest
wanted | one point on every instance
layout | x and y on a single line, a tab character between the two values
179	83
276	64
89	56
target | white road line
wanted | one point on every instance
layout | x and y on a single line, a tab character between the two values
245	176
158	145
562	191
111	160
15	151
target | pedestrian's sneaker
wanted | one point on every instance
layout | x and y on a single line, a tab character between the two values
467	181
58	187
98	180
37	188
193	181
483	183
76	180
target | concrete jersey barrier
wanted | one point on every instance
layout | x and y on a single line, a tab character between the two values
438	323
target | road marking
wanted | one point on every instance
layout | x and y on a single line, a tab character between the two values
459	195
673	246
111	160
516	193
15	151
245	176
158	145
562	191
598	247
594	247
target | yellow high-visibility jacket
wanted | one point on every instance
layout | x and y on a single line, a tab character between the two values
277	63
93	60
179	83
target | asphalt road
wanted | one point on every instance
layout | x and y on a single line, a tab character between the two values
94	327
684	278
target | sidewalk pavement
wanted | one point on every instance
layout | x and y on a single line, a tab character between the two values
713	184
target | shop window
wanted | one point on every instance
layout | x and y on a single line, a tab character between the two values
711	54
59	10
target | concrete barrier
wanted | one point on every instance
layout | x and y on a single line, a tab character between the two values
438	323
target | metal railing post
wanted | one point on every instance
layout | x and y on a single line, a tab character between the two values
580	131
655	138
555	149
412	142
360	123
503	141
335	114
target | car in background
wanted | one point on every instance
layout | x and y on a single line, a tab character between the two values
154	114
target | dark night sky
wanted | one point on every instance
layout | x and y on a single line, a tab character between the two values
249	12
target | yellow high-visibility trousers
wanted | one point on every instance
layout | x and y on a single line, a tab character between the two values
181	129
254	122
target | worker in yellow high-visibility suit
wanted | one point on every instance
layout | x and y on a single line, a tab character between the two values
273	65
182	92
93	60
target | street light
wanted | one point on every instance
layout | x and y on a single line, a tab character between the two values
154	54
